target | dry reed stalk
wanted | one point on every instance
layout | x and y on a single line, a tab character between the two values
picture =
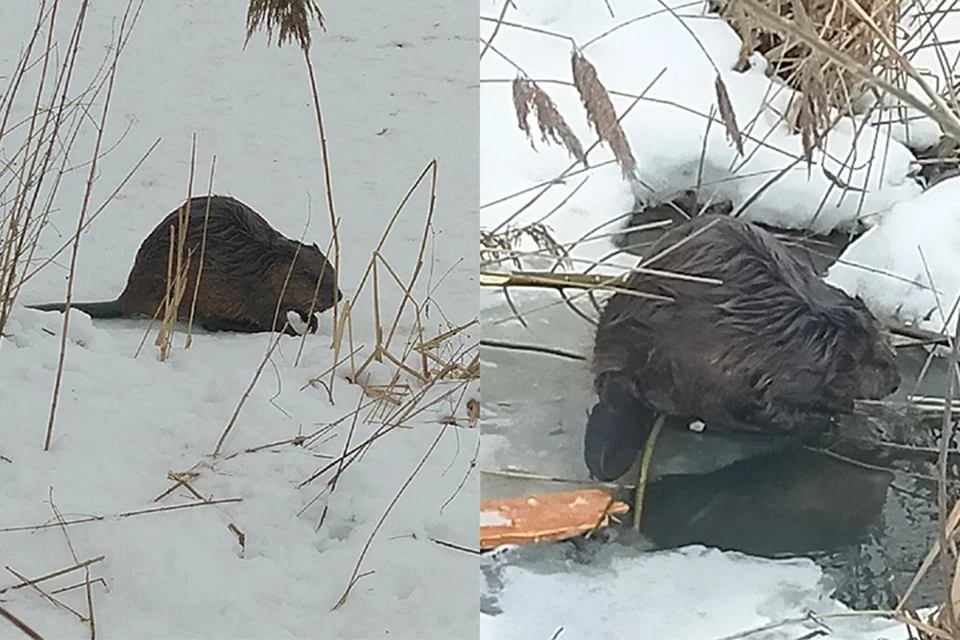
415	405
545	186
532	348
601	114
427	226
371	271
355	576
493	245
180	479
283	289
318	379
344	323
274	341
313	304
857	32
101	126
123	514
36	153
96	214
203	252
939	112
944	622
290	19
90	618
18	222
528	96
496	29
71	587
178	268
346	445
548	280
46	596
947	546
328	186
20	624
241	537
55	574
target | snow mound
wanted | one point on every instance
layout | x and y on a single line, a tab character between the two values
674	55
906	265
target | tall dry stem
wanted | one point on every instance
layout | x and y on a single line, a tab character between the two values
101	127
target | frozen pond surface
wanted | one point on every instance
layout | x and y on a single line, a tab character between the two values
862	532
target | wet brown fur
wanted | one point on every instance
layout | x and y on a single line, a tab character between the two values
245	267
772	348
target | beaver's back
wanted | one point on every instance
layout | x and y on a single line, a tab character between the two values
770	343
240	248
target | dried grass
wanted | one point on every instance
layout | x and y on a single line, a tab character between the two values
20	624
601	113
289	18
835	22
38	151
496	248
127	22
527	97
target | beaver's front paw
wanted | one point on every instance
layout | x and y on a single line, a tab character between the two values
300	322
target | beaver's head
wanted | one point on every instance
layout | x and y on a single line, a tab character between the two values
864	347
312	286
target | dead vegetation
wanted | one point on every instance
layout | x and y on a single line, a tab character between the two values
30	177
38	149
289	18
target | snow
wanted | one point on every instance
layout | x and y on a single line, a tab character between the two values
398	88
668	129
692	593
910	259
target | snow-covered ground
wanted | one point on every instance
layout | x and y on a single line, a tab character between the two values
398	88
672	52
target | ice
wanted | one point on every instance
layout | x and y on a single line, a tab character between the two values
690	594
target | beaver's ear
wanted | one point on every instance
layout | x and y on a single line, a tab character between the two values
314	245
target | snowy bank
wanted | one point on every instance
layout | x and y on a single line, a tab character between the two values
906	265
672	58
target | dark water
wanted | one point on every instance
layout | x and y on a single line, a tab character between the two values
867	524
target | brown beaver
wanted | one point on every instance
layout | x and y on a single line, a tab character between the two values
771	348
245	267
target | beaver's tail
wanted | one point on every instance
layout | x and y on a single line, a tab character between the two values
617	428
108	309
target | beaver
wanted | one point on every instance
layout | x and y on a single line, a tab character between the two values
246	263
770	348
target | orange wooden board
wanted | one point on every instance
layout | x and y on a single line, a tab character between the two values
547	517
